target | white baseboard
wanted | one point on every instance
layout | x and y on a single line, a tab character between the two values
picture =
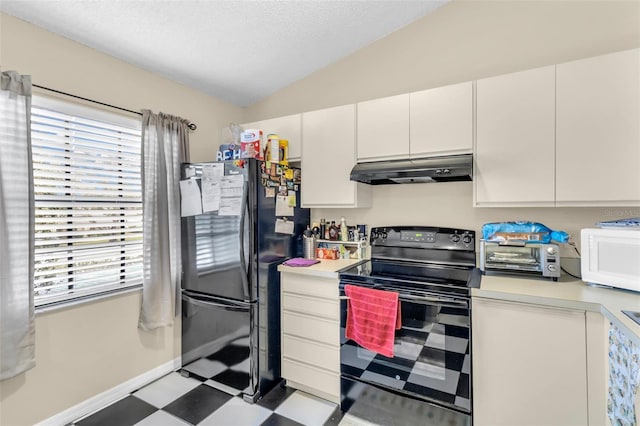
109	396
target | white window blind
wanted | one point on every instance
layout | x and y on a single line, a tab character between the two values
88	199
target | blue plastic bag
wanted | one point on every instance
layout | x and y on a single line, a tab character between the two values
530	232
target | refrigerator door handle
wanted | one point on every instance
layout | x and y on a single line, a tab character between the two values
243	260
208	302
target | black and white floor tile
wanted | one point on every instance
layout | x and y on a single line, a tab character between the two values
182	401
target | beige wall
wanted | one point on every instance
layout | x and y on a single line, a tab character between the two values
461	41
87	349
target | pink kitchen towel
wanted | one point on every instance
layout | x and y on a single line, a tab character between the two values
373	316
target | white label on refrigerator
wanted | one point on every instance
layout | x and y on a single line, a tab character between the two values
190	200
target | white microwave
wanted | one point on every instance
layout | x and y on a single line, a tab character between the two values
611	256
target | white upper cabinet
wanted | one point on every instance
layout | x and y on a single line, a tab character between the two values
441	121
328	155
383	128
598	130
415	125
515	139
288	127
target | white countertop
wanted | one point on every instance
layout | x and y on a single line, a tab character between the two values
326	268
569	293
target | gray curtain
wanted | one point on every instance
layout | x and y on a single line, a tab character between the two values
165	144
17	328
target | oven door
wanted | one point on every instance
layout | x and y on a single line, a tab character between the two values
431	359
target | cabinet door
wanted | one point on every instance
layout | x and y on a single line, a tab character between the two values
598	130
529	365
515	140
328	156
383	129
441	121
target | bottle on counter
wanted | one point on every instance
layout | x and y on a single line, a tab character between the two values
323	229
333	231
344	230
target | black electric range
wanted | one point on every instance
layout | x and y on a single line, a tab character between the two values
429	375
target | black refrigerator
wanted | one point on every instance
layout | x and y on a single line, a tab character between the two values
230	282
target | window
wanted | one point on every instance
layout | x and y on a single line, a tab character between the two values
88	201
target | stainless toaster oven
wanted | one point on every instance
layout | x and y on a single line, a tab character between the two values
520	258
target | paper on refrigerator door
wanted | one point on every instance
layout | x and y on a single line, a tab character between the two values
210	194
282	206
230	206
190	200
284	226
212	171
231	186
231	195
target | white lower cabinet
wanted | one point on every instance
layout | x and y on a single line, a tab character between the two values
529	364
311	334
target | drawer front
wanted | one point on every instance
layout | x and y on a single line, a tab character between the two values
312	353
311	286
313	306
318	329
316	378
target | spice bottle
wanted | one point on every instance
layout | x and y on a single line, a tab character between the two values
344	231
323	229
333	231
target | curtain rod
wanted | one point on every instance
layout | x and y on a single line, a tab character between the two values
191	126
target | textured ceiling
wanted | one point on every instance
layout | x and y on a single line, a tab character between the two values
237	50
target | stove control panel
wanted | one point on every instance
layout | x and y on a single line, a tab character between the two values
417	236
423	237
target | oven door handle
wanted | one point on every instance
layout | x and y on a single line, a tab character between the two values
434	300
431	300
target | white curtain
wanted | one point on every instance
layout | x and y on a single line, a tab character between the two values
165	144
17	328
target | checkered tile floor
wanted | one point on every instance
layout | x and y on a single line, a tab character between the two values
181	401
212	395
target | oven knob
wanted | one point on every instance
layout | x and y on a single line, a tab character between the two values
455	238
466	239
551	250
552	268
